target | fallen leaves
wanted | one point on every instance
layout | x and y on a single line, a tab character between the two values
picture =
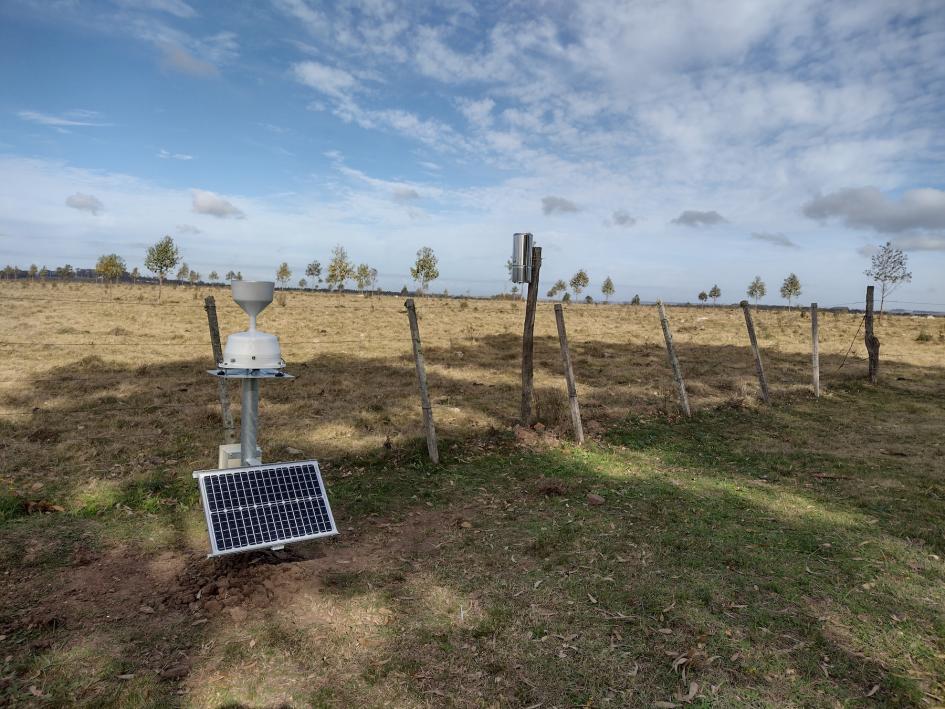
42	507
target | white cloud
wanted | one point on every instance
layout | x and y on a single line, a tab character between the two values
213	204
70	119
328	80
178	8
868	208
85	203
478	113
165	155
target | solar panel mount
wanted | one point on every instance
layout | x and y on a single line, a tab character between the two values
264	506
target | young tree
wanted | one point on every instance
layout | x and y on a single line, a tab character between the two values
238	276
303	283
703	297
579	281
607	289
636	300
314	271
183	273
888	268
757	290
283	274
566	298
588	299
715	293
339	268
135	275
110	267
43	272
230	276
559	287
161	259
424	270
362	276
373	279
213	277
791	288
33	270
515	291
194	277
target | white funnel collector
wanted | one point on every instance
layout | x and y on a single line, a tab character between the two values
252	349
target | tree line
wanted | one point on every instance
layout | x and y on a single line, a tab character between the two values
888	267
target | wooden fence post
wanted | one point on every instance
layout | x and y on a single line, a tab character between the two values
429	429
229	431
528	340
814	350
872	342
762	380
569	376
673	361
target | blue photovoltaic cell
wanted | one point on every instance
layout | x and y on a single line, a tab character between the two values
267	505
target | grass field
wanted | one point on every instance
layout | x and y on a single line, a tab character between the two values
789	555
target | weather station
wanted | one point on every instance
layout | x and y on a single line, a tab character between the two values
250	505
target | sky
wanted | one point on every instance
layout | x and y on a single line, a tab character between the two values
671	145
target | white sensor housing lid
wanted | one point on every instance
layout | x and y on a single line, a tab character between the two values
252	349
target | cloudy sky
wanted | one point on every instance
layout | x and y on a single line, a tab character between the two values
669	145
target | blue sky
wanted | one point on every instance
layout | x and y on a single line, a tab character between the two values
669	145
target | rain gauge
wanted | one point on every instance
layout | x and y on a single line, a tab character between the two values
250	505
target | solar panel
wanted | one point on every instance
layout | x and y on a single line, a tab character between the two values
264	506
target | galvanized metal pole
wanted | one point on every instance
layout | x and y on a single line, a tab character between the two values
569	376
249	422
814	350
759	368
528	340
673	361
229	432
428	426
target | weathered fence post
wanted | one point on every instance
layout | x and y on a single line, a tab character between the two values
569	376
759	368
872	342
814	350
528	340
673	361
422	382
229	431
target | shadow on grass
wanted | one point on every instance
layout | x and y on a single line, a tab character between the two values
775	549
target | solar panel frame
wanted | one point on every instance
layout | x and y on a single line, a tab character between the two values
254	503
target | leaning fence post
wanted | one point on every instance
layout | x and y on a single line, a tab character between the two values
569	376
422	381
673	361
762	380
528	339
229	431
814	350
872	342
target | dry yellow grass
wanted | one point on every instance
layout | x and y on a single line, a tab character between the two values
770	539
102	364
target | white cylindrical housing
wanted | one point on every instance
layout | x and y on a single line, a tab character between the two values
522	243
252	350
